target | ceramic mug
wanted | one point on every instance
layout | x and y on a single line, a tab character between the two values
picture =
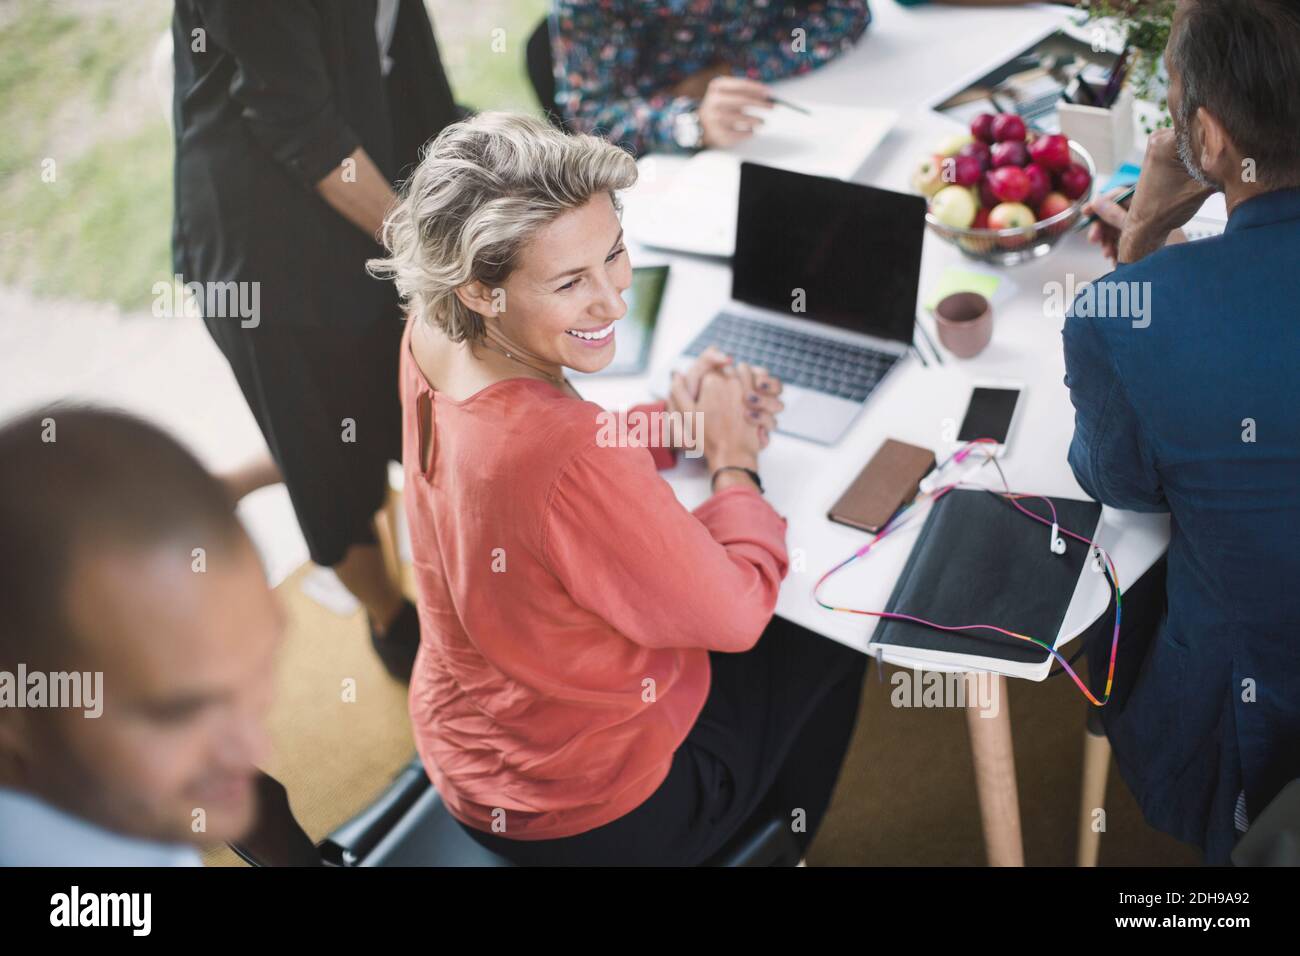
965	323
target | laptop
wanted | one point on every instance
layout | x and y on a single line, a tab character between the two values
823	292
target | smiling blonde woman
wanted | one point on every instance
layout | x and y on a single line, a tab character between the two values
591	686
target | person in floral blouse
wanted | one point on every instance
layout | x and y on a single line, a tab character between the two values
680	75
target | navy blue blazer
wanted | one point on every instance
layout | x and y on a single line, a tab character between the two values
1187	400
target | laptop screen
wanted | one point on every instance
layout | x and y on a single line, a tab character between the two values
854	251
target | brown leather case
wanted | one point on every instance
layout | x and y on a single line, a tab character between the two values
888	482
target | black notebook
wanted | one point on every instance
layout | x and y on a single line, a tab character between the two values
980	561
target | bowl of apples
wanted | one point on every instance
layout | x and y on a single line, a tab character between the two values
1002	194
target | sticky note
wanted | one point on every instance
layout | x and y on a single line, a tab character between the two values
962	280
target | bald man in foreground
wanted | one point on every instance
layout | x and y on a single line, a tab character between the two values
137	644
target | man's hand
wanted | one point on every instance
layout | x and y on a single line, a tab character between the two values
1111	217
1166	198
359	192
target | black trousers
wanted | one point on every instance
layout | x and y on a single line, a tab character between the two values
771	737
328	405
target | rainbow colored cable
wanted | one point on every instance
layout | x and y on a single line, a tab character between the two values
908	512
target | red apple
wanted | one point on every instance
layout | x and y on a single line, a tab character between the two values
980	151
1074	180
1008	126
1040	184
982	127
1013	215
1010	153
1054	205
987	197
962	170
1051	152
981	220
1009	184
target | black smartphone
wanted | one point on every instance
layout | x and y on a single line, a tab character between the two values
992	413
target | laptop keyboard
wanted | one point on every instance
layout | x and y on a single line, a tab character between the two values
797	358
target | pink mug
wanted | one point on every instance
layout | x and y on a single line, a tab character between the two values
965	323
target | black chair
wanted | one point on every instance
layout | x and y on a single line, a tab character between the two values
408	825
1274	835
541	71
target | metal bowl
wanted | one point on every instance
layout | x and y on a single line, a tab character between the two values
1009	247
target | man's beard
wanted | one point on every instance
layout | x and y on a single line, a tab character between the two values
1187	154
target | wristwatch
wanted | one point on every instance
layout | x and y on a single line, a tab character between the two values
687	132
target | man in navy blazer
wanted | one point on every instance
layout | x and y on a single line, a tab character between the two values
1182	366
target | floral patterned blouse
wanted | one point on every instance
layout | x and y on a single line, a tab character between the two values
615	60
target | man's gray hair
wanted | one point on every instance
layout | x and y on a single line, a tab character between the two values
1240	60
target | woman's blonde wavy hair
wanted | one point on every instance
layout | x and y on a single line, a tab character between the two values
481	191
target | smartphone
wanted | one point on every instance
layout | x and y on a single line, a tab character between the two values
993	411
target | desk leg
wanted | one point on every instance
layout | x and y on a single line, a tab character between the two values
995	779
1096	767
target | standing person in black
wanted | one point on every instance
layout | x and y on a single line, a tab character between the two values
293	122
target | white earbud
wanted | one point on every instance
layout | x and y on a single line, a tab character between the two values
1058	543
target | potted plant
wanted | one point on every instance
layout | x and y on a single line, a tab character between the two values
1146	25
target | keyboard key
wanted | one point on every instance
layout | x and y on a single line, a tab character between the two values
809	361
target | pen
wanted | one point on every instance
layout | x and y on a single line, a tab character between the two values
1117	74
930	342
1119	200
788	105
1084	89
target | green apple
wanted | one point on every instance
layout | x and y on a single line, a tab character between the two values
955	206
953	144
928	178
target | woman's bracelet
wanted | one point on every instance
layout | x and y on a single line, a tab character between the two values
713	481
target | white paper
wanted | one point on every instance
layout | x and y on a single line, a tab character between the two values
696	211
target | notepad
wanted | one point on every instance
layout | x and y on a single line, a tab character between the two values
978	560
827	141
696	212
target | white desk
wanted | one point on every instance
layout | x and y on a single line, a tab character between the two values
907	58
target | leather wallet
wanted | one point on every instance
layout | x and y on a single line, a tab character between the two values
888	482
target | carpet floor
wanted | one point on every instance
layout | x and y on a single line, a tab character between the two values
906	795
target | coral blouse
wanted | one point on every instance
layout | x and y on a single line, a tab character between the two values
567	604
